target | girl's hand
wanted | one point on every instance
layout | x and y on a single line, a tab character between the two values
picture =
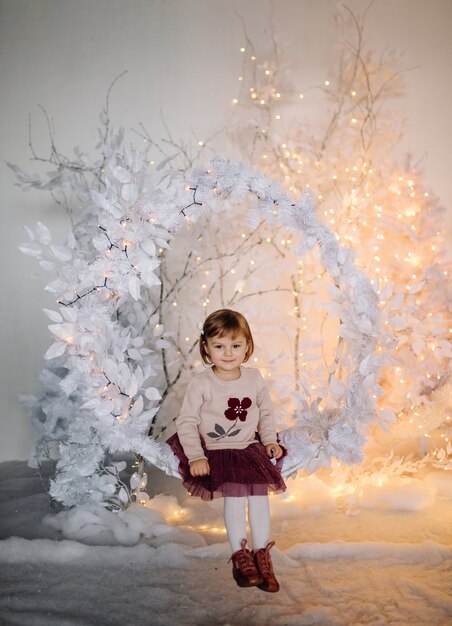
200	467
274	451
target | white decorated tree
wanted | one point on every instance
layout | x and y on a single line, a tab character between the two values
153	248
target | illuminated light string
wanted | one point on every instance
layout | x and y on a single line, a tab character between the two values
79	297
403	186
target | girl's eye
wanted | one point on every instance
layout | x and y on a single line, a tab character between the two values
237	345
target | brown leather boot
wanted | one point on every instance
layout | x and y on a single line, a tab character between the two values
264	564
244	569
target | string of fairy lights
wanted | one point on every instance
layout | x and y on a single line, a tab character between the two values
400	199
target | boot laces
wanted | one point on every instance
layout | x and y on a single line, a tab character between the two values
264	559
245	562
244	559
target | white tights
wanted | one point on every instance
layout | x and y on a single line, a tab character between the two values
258	517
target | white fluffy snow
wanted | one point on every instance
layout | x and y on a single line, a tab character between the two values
383	559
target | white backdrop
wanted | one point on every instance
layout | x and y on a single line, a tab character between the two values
183	58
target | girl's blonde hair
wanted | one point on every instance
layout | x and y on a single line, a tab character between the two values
225	322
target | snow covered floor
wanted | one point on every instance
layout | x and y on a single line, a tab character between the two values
373	566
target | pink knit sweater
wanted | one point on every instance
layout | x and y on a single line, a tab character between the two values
226	413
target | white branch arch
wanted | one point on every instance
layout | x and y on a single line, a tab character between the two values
135	218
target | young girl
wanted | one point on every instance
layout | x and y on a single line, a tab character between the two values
225	441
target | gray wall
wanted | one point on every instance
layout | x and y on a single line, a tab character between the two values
182	57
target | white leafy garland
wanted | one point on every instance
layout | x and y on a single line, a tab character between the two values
136	219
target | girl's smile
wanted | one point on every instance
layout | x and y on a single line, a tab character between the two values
227	354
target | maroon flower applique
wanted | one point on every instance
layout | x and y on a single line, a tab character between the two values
237	409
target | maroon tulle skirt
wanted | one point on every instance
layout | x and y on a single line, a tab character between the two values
247	472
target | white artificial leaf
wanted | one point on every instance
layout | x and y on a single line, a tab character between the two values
365	365
417	287
162	243
386	293
104	407
418	346
134	160
90	404
129	192
61	252
48	266
123	495
56	286
121	174
69	313
397	321
132	387
337	387
134	480
30	234
368	381
346	332
149	278
119	465
100	200
396	301
149	414
31	248
53	315
365	326
70	240
148	265
43	233
334	292
134	287
123	371
62	331
387	415
137	407
152	393
162	344
56	349
110	368
134	354
139	375
148	246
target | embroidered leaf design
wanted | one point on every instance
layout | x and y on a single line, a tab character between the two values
234	432
213	435
219	429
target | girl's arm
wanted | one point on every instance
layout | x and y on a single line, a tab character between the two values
266	424
200	467
188	421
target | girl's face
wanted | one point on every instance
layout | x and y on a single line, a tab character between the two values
227	353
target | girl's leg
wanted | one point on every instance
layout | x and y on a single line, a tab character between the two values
259	518
235	521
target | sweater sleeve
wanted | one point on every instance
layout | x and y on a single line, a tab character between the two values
266	425
188	421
